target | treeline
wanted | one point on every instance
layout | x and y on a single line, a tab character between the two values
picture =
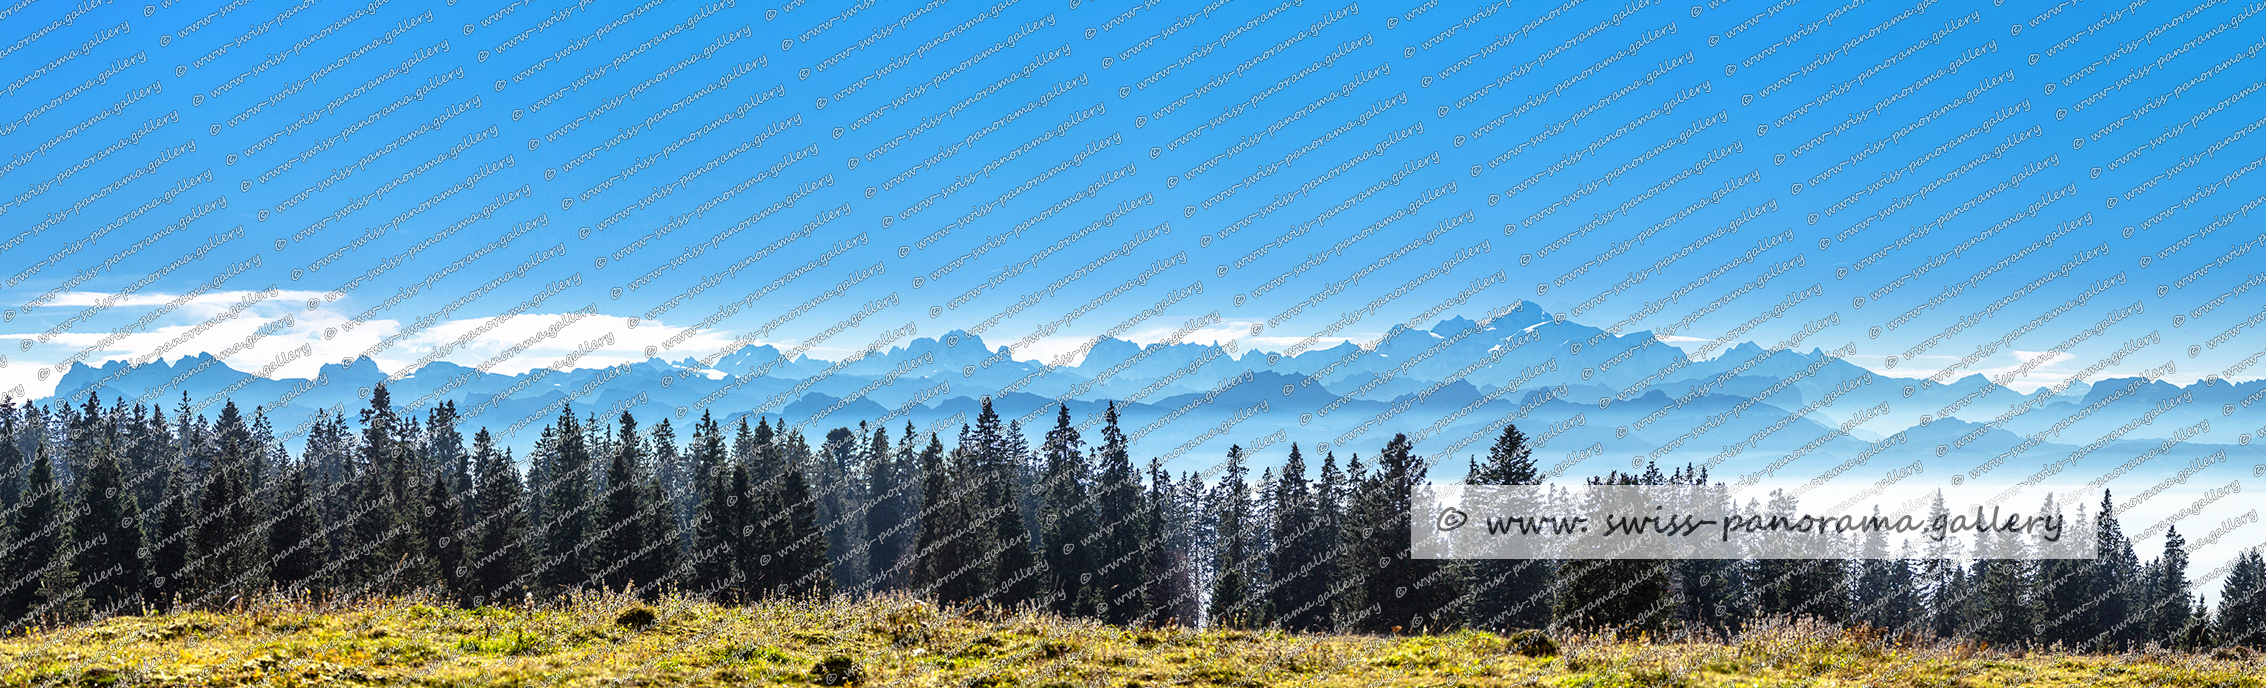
118	510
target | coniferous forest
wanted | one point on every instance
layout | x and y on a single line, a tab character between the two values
114	510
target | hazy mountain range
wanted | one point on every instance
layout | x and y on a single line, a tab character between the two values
1353	400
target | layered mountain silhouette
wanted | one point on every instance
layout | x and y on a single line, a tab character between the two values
1593	400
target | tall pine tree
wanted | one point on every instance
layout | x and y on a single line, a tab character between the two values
1509	593
1118	554
1065	517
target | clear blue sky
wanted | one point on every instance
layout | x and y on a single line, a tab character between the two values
1941	101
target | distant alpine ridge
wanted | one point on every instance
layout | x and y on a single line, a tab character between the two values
1591	400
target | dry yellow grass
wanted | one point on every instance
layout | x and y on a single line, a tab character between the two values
606	640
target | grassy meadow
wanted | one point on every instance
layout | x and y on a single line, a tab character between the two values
609	640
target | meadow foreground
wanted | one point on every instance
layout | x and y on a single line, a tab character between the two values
608	640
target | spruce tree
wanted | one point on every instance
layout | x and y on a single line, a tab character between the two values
762	528
298	544
621	531
1297	588
2242	602
660	562
2112	582
232	548
1233	604
1627	595
1017	575
941	551
731	568
1066	516
716	525
1884	585
840	500
1509	593
567	509
11	458
1116	540
679	492
2169	606
33	553
169	539
1190	534
2200	631
2004	617
1163	578
214	554
498	553
1330	516
1010	571
440	548
1431	589
888	516
1360	555
1941	577
2061	597
1708	590
444	454
800	561
109	529
380	537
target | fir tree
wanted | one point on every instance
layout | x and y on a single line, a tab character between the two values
2112	581
1165	576
1119	518
1065	516
109	529
1884	584
660	561
1509	593
840	501
237	556
716	528
889	520
499	551
621	528
1628	595
801	562
1431	587
440	550
1009	570
1297	586
941	550
1233	604
2003	617
567	506
2242	602
169	540
2169	606
298	544
33	553
11	458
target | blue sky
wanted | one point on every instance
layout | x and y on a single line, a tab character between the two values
637	155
